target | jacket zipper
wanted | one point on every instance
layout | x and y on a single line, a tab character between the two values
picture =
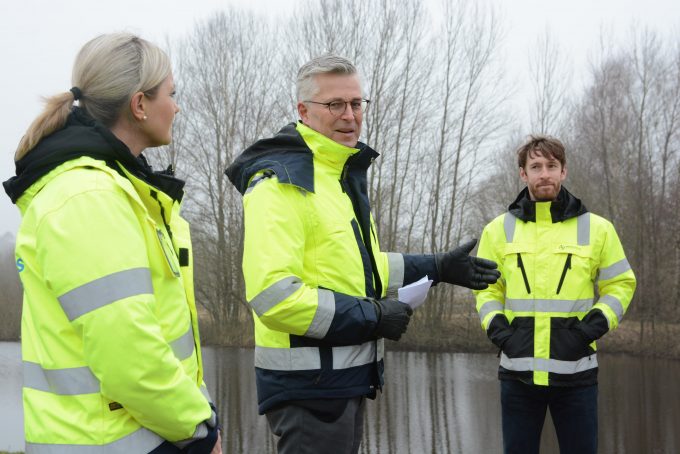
165	247
343	175
567	266
520	264
364	236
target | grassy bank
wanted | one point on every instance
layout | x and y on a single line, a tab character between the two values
463	333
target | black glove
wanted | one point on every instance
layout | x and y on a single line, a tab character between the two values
457	267
393	317
593	326
499	330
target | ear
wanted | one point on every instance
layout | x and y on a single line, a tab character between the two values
523	174
137	107
563	175
304	112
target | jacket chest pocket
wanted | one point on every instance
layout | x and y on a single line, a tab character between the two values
168	252
518	262
574	266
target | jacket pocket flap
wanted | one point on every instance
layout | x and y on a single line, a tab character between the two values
519	248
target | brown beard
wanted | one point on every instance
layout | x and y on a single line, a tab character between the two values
548	199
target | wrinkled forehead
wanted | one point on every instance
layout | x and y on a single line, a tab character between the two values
340	86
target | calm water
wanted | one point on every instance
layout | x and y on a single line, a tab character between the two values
434	403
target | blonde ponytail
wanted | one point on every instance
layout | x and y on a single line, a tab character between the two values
52	118
108	71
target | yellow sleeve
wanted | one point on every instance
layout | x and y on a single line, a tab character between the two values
616	281
273	257
491	301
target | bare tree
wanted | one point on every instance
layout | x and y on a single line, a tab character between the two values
626	131
470	101
669	200
226	79
601	124
550	74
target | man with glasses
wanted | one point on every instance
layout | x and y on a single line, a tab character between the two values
322	293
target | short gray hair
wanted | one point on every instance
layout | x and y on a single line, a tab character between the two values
323	64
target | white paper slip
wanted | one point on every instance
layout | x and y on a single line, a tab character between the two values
414	294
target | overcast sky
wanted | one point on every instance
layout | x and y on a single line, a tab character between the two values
39	41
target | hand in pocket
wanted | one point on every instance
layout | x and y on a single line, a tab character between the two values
513	345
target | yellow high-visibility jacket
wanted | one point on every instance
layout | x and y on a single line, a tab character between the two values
110	344
311	256
565	281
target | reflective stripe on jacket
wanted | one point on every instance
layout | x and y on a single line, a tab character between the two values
110	342
550	269
311	255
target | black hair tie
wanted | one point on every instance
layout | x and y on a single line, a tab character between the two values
77	94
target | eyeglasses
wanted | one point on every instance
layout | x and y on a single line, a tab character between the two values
338	108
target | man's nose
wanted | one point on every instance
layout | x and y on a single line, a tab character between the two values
348	113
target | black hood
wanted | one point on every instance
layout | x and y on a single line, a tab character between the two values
286	150
566	206
83	136
288	156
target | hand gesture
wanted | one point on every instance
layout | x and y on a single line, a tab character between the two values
458	267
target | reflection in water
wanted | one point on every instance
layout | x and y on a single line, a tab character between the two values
11	414
422	411
450	403
433	403
230	376
640	410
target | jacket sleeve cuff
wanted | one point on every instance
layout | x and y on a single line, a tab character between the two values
354	320
418	266
204	438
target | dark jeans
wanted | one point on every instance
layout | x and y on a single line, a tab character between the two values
328	426
573	411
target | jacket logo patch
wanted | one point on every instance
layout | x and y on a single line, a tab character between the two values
573	249
20	265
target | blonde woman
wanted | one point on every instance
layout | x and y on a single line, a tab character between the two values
110	343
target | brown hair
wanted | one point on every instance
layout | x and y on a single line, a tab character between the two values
547	146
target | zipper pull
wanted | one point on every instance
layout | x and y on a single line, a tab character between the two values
343	177
567	266
520	265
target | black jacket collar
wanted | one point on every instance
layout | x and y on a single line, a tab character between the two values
289	157
83	136
565	207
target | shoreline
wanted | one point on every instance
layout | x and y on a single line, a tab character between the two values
463	334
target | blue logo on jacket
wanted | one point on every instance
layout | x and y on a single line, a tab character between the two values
20	265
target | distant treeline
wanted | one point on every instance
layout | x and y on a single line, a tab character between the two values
442	117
